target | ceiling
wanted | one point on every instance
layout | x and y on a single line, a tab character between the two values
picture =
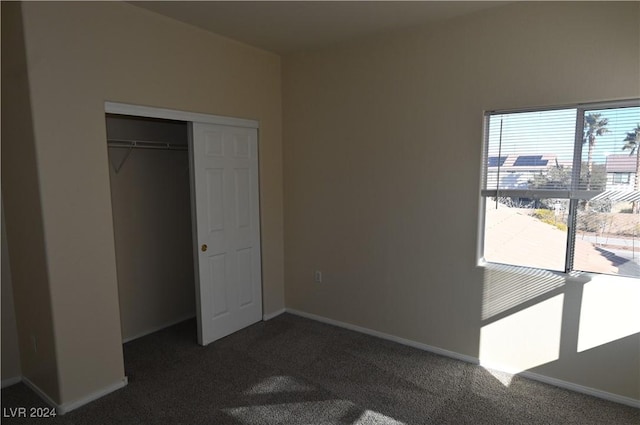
287	26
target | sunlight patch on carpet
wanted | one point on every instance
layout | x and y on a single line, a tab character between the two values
326	411
503	377
278	384
370	417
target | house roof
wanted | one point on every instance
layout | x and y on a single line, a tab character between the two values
621	163
618	196
522	162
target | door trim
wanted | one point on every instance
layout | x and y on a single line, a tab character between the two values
172	114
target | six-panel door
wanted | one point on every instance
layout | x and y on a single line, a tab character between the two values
227	229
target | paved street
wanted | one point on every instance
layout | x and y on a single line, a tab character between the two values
627	260
628	243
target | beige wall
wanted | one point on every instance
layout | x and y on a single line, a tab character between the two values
10	351
152	227
79	55
382	145
23	213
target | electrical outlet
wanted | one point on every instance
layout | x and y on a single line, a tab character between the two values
317	276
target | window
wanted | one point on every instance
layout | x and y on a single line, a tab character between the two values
560	188
621	178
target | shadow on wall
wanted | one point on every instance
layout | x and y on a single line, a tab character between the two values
532	318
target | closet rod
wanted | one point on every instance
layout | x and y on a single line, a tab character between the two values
142	144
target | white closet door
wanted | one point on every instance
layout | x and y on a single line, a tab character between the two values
226	229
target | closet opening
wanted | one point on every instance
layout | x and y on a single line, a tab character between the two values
185	192
149	174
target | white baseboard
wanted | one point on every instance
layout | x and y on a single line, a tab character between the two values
61	409
581	389
158	328
40	393
270	316
530	375
67	407
410	343
11	381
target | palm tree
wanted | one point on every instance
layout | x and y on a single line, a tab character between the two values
594	126
633	143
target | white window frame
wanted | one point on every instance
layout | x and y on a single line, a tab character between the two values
573	195
618	178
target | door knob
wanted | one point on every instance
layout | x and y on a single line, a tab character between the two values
203	247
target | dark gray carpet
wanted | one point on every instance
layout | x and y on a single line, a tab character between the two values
292	370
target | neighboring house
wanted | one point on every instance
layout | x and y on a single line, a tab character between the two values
621	171
517	171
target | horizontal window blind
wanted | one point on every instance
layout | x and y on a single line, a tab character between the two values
530	151
563	153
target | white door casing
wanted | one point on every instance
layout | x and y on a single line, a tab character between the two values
225	205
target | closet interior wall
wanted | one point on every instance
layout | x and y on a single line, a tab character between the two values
152	225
